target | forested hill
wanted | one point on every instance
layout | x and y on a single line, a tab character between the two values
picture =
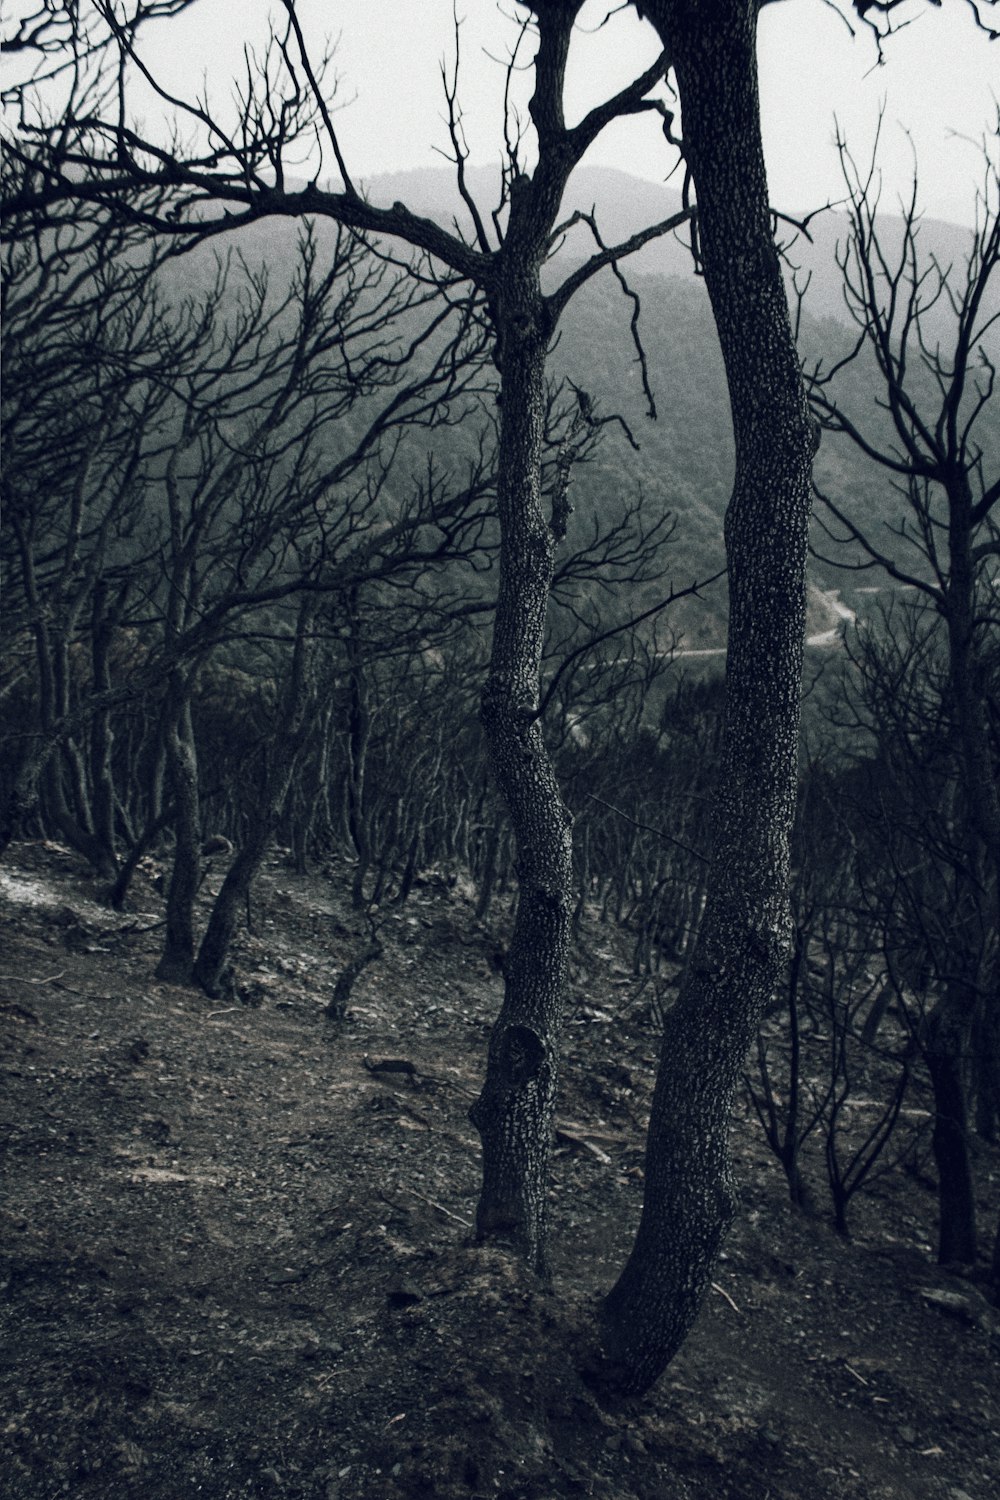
682	461
622	205
685	457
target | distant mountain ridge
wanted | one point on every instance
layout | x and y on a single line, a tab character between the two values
623	205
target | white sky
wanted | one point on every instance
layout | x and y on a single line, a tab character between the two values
942	77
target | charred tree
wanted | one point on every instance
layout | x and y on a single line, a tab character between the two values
925	690
743	941
212	964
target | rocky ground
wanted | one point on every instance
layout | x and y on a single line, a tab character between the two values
236	1257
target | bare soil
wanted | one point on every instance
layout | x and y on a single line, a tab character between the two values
236	1253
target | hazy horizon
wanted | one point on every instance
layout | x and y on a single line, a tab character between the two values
937	91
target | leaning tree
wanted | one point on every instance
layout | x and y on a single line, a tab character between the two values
744	935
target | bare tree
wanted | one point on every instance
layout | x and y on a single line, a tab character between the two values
740	950
926	688
196	479
229	179
263	497
689	1196
85	344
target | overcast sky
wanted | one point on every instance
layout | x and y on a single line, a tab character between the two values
941	77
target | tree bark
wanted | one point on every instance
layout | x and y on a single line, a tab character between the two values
743	941
359	732
981	807
24	795
515	1109
101	731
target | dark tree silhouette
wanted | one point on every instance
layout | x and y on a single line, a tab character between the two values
85	345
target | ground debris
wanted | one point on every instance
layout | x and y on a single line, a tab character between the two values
236	1260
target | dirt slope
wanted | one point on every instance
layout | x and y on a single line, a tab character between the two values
235	1256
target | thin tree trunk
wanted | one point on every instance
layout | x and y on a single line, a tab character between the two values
690	1196
119	891
103	796
24	795
359	733
213	955
515	1109
177	959
944	1050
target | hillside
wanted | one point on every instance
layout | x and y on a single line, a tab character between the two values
685	458
623	205
236	1256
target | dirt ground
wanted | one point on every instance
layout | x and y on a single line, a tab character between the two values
236	1254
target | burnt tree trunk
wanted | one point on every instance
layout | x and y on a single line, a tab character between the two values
690	1196
945	1049
212	963
359	733
177	959
101	731
980	805
23	800
515	1109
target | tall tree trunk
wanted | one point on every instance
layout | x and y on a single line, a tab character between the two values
514	1112
980	804
515	1109
745	930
